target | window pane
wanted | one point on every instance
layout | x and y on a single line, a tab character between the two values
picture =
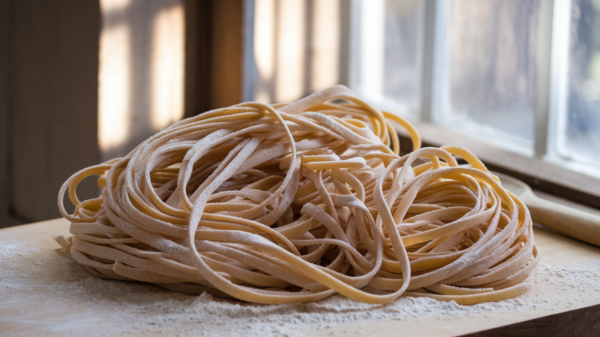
389	53
491	69
403	52
581	134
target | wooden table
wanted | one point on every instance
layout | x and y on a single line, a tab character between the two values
580	318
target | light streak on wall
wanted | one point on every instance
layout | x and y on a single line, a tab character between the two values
113	88
141	71
264	44
297	47
325	56
290	50
167	67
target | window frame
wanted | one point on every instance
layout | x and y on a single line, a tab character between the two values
542	166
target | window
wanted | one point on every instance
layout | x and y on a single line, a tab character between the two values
388	54
490	62
578	105
523	75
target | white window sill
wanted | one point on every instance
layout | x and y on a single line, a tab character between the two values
540	175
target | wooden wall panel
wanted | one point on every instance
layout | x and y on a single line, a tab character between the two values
54	86
198	36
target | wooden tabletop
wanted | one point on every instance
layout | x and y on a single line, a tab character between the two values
22	249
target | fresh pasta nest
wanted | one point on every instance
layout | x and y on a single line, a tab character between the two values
296	202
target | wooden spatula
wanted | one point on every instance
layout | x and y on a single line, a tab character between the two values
564	219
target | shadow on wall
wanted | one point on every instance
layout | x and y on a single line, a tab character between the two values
298	49
141	74
300	46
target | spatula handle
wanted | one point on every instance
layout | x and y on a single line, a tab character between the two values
567	220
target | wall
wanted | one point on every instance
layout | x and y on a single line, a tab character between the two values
49	104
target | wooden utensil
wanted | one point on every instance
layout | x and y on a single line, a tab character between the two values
572	222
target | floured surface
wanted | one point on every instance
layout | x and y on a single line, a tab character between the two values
43	290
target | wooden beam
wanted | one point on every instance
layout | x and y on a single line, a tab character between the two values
198	56
214	54
227	53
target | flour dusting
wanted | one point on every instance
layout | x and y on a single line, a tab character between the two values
85	305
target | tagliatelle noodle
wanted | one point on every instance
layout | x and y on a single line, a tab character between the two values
296	202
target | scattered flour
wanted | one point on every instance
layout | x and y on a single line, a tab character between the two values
76	303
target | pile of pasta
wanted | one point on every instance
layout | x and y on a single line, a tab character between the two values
296	202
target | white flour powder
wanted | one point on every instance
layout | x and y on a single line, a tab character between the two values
76	303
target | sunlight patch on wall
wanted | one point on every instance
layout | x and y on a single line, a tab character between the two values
167	67
141	71
264	44
290	51
114	5
325	44
297	47
113	88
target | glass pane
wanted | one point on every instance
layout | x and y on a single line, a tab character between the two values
403	52
389	54
581	134
491	69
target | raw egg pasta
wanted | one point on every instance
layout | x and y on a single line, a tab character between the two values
296	202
